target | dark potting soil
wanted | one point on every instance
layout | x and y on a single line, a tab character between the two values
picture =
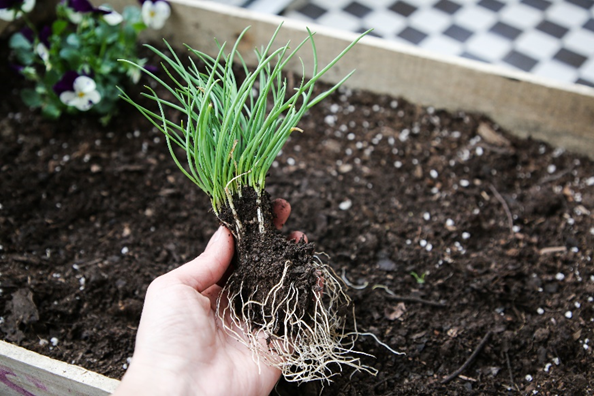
497	230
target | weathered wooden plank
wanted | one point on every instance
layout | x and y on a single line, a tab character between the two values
26	373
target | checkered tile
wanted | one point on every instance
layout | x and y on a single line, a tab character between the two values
550	38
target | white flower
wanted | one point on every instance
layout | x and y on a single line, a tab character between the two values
113	18
43	52
84	96
11	14
154	14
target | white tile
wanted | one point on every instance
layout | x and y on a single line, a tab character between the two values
331	4
538	45
384	23
580	41
520	16
273	7
340	20
442	44
297	16
567	14
376	4
475	18
488	46
556	70
429	20
587	70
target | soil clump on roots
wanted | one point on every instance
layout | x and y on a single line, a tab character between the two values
294	307
261	258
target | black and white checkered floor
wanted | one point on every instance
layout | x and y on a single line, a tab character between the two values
550	38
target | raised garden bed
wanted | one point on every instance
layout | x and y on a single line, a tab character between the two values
499	228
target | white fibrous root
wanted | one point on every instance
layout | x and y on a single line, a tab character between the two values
310	348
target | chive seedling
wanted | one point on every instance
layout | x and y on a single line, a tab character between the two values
230	133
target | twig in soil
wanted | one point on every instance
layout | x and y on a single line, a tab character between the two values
510	219
471	359
410	299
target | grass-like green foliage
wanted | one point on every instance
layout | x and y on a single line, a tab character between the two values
231	132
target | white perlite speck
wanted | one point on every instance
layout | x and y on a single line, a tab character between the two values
551	168
528	378
540	311
560	276
427	216
345	205
125	250
54	341
464	183
465	235
449	223
569	314
433	173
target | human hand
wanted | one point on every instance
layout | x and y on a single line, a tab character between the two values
181	349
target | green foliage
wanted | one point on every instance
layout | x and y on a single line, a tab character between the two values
419	278
231	133
88	45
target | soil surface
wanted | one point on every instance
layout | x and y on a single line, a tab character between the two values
454	233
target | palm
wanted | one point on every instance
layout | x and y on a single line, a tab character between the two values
181	347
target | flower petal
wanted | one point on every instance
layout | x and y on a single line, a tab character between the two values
93	97
82	103
84	84
28	5
67	97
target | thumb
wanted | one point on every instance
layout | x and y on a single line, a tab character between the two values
208	268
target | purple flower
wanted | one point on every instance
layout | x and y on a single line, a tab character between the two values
28	33
79	7
82	6
44	35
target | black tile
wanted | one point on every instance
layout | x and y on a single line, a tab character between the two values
458	33
493	5
372	33
357	9
505	30
403	8
520	61
311	10
540	5
447	6
589	25
570	58
468	55
585	4
584	82
412	35
552	29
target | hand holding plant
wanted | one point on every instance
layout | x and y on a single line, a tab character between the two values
180	348
281	302
73	61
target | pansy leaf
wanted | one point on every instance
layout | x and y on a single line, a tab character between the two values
73	40
59	26
72	56
51	111
31	97
18	41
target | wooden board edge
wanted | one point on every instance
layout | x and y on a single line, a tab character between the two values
23	371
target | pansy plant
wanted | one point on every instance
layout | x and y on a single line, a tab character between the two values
73	61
